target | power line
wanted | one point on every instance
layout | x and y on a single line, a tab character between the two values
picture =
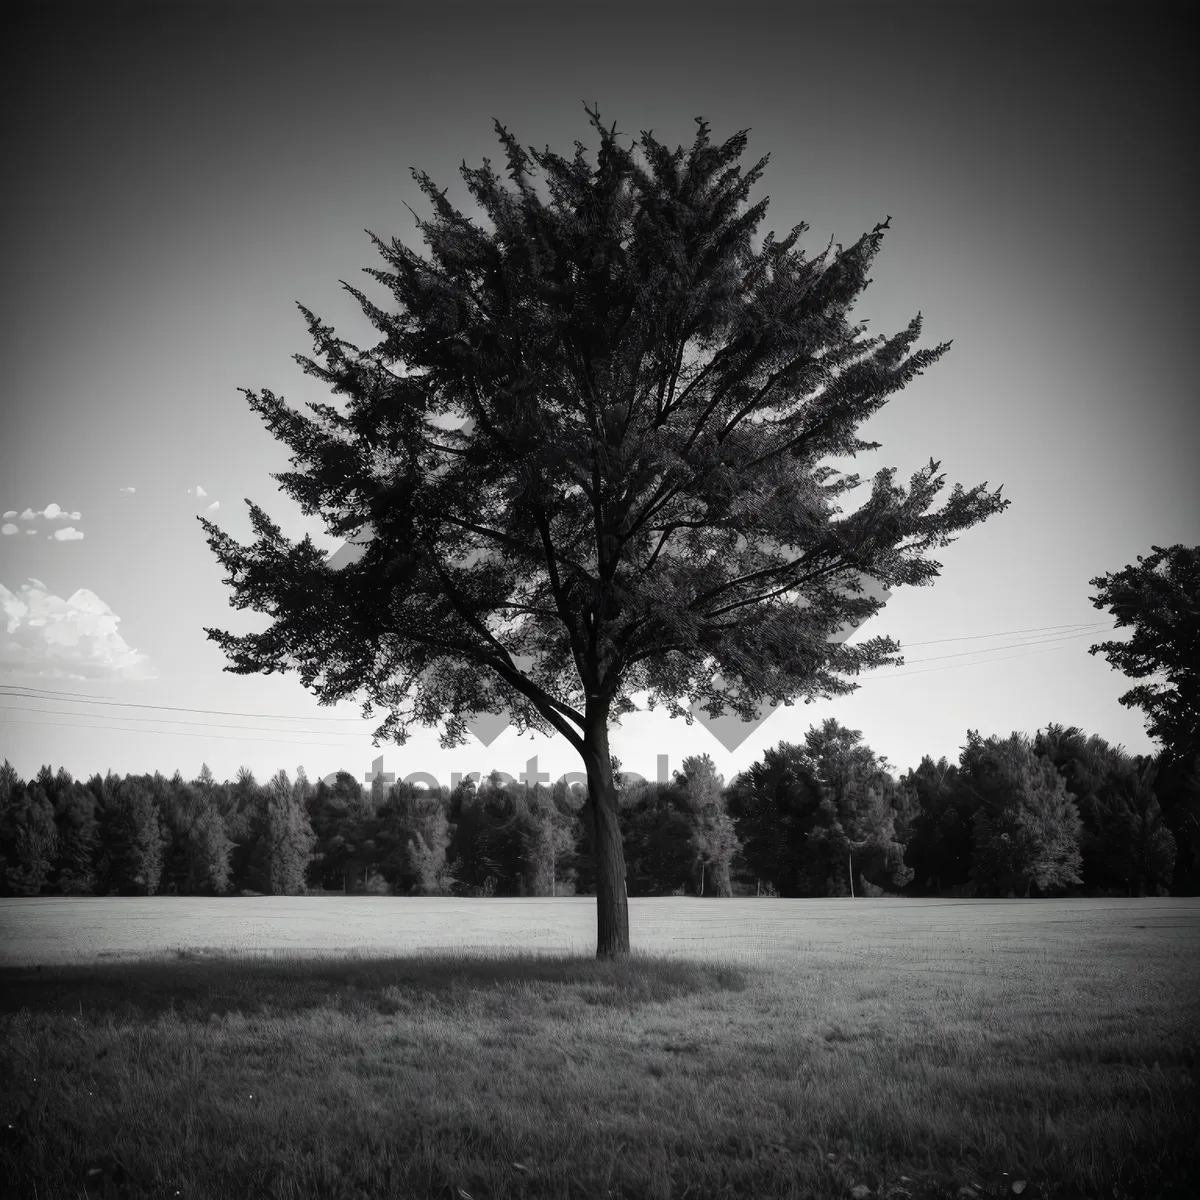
1065	637
1014	632
32	693
1047	645
1051	643
959	666
47	692
75	698
174	721
1055	644
224	737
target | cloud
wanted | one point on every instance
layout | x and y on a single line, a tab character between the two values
12	512
127	491
199	491
44	636
52	512
213	506
31	532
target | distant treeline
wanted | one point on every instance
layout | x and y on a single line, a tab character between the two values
1063	814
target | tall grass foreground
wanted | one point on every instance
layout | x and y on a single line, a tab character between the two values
1060	1060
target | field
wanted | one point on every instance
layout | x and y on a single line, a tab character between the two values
378	1047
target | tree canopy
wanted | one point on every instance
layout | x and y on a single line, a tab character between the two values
1027	827
1163	606
588	445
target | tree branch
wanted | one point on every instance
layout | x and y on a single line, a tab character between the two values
769	571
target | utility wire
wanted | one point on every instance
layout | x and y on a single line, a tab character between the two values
1014	632
75	698
1050	644
175	721
958	666
1064	637
224	737
10	692
46	693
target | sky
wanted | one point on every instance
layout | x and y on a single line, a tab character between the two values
180	177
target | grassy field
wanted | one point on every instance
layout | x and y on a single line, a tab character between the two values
903	1049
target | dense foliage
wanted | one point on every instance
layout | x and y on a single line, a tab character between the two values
1063	814
1160	599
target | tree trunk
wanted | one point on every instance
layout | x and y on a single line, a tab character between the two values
722	884
612	901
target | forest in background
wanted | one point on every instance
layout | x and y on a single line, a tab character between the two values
1060	814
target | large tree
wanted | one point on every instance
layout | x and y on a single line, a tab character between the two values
1163	606
289	839
1160	598
339	814
1108	788
713	841
28	838
196	854
1146	851
1176	785
860	788
131	842
75	818
658	838
775	805
584	456
1026	826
